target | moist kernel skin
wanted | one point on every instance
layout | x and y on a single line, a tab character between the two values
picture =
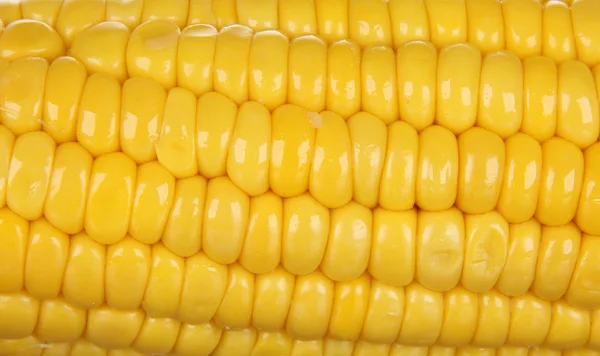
561	31
47	252
29	174
15	230
111	329
369	198
21	95
30	38
165	282
141	213
306	72
464	113
102	49
170	219
262	243
84	279
65	81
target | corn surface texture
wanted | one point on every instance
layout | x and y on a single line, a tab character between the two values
299	177
561	30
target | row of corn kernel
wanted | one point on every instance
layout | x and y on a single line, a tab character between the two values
111	197
526	27
253	343
553	262
293	150
311	311
455	89
92	115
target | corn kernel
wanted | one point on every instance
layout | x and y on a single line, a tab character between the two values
165	283
447	21
60	321
311	307
258	16
486	25
559	246
558	41
247	159
349	308
587	205
215	120
41	10
385	313
349	238
501	93
29	38
156	336
78	15
307	63
271	305
540	97
101	49
195	58
519	270
344	78
18	315
417	83
47	252
83	283
437	175
481	160
561	179
113	329
423	316
127	271
183	231
392	258
110	197
152	202
409	21
523	27
176	12
21	94
457	89
584	14
231	75
65	81
29	174
297	18
199	339
440	249
198	305
261	252
460	317
7	142
268	68
235	309
99	115
332	19
127	12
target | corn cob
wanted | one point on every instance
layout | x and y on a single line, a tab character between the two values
265	343
555	29
421	318
384	83
130	274
147	123
150	205
482	240
150	217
